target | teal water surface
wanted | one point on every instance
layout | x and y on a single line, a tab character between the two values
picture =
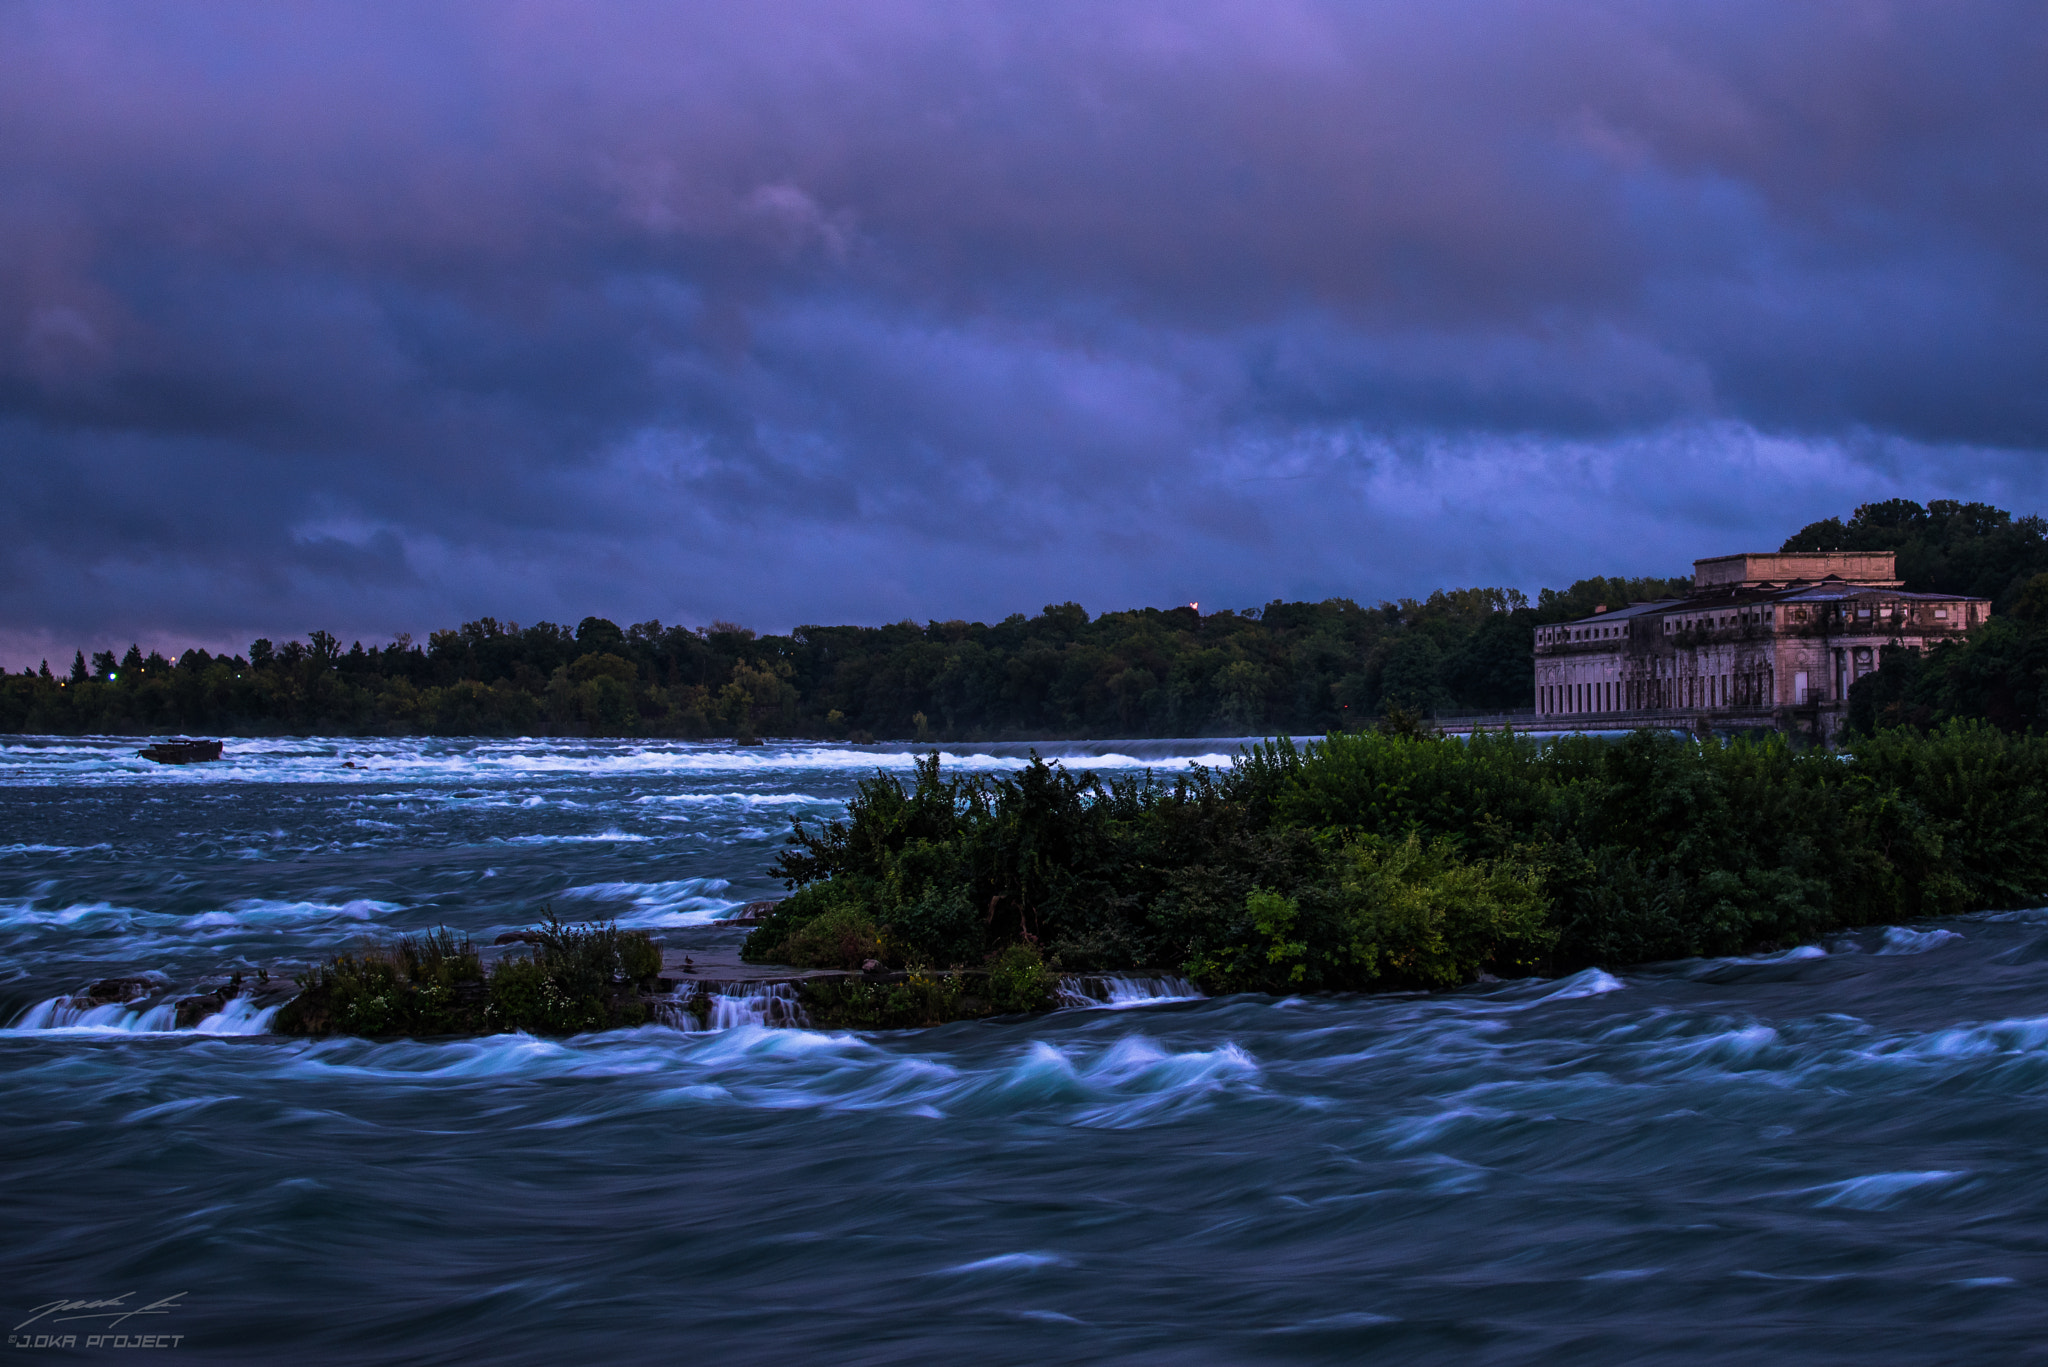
1830	1155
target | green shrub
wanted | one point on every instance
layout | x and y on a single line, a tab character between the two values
768	943
1398	858
1415	915
639	957
525	996
1019	979
924	999
417	987
1393	913
579	977
840	938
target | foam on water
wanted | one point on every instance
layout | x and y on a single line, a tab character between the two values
1785	956
53	849
241	1016
1008	1262
735	1006
240	917
1120	991
1879	1191
66	1015
1904	940
94	761
63	1013
678	902
266	911
1587	982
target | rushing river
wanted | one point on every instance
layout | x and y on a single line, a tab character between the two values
1831	1155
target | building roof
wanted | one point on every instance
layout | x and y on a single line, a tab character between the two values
1777	568
1736	595
1622	614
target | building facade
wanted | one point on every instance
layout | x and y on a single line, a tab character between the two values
1762	640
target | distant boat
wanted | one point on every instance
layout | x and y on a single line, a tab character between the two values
182	751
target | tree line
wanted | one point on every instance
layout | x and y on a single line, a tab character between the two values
1289	667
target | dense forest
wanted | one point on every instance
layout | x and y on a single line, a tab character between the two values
1301	668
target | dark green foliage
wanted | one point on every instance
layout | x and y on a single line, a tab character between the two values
580	977
1945	547
430	984
586	961
1390	914
924	999
525	997
843	937
1382	859
639	957
1288	667
1999	675
1019	979
1970	815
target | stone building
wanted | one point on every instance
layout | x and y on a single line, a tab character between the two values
1762	640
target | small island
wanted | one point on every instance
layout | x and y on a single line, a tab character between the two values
1396	859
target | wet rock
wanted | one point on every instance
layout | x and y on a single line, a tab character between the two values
114	991
193	1010
182	751
518	937
753	913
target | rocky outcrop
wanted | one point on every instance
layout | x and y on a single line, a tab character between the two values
116	991
182	751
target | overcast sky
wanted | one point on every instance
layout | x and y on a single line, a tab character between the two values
382	317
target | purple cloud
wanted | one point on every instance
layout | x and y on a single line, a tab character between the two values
377	318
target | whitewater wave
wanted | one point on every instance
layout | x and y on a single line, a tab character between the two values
676	902
91	761
1905	940
1120	991
1130	1083
1882	1190
1007	1262
1587	982
52	849
68	1016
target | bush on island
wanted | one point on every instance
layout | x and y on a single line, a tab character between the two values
1014	981
1402	859
578	977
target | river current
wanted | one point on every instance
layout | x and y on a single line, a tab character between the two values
1828	1155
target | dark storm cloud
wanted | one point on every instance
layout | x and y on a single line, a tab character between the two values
380	317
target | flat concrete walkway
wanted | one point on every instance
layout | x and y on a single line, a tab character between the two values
721	963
